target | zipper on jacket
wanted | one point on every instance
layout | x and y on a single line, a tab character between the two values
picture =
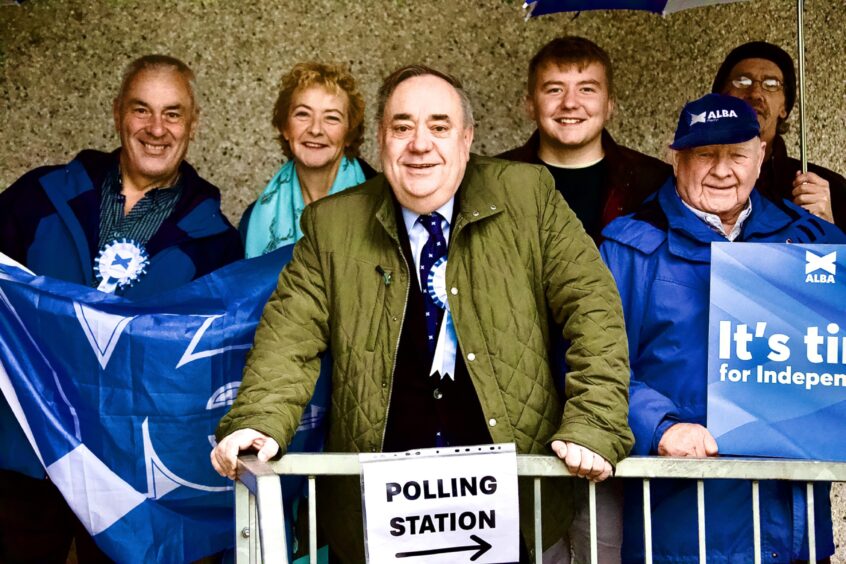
396	349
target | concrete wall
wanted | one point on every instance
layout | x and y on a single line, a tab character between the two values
60	63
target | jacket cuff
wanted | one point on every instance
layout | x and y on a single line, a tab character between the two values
662	427
610	446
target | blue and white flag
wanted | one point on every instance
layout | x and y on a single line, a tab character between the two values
777	350
120	400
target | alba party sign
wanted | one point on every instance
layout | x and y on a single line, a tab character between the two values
777	350
441	505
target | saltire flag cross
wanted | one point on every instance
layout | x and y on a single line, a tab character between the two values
120	400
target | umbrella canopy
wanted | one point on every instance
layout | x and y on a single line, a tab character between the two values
541	7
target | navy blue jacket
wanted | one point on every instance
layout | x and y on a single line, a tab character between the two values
660	257
50	221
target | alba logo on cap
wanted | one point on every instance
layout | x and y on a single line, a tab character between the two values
814	263
714	115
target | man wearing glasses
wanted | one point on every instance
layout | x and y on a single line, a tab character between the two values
762	74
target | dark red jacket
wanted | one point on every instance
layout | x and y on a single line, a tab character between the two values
777	174
632	176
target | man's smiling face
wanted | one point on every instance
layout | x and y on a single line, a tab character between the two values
155	118
570	105
424	142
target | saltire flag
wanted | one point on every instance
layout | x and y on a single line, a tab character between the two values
120	400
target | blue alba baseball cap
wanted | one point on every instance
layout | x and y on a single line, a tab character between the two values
715	119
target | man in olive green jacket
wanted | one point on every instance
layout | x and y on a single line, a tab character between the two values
519	258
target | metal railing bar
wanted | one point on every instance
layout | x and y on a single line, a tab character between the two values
252	530
538	523
647	522
271	520
812	529
312	520
700	518
242	516
260	479
756	520
594	548
337	464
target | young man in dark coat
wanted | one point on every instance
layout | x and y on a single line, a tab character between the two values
571	97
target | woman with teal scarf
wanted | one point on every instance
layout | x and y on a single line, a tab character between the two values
319	114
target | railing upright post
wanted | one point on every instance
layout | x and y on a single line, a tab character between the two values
812	529
252	531
700	507
312	520
242	518
647	522
756	520
538	523
594	548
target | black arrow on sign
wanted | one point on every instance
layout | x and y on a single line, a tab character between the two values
480	547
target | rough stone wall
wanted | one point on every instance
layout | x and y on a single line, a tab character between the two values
60	63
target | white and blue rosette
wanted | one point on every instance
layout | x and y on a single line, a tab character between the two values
120	264
443	361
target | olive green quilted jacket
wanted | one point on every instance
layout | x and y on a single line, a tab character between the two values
517	253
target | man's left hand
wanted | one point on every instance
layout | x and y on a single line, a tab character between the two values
814	194
582	461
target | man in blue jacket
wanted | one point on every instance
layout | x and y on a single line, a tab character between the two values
660	258
135	222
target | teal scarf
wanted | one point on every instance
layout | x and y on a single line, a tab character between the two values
275	221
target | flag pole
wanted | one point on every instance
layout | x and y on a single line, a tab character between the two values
803	149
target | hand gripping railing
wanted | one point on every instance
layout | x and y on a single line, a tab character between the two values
259	521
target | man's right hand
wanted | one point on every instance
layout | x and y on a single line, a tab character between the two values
687	439
224	457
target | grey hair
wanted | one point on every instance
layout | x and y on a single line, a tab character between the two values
155	62
401	75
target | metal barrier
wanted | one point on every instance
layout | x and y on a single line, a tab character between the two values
260	527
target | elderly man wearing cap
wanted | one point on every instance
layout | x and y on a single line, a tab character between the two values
762	74
660	258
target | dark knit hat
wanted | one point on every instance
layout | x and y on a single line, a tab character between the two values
760	50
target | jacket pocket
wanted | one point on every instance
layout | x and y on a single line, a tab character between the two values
378	309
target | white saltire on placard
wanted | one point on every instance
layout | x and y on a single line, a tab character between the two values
442	505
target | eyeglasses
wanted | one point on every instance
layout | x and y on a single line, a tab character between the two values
768	84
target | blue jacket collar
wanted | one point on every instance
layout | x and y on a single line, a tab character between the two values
690	238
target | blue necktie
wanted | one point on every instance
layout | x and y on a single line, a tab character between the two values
433	251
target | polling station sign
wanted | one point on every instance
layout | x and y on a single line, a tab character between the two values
777	350
441	505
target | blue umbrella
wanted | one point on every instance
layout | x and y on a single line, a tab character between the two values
536	8
541	7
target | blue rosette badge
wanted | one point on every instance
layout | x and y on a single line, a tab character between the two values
443	360
120	264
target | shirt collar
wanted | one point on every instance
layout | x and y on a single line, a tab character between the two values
713	221
410	218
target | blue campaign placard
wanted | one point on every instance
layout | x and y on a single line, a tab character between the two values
777	350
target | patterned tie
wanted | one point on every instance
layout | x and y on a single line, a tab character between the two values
434	250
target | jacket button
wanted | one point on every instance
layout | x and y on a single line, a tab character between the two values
475	213
471	357
774	555
372	449
384	384
395	318
453	291
437	394
786	241
492	422
493	207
